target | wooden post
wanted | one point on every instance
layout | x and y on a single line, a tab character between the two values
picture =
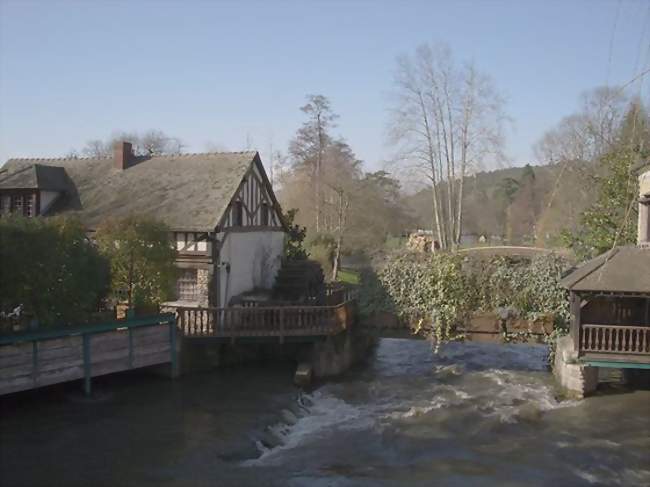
574	330
34	361
172	349
281	325
130	348
87	365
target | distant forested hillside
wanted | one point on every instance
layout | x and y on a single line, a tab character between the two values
522	205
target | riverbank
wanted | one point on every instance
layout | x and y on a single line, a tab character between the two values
476	414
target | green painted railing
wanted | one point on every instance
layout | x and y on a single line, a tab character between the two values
86	331
51	333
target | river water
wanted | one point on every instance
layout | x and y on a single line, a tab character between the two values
474	414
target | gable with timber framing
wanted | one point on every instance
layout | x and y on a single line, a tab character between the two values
253	207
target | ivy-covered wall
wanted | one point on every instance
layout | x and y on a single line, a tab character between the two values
450	287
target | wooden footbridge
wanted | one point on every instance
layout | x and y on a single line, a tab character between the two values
40	358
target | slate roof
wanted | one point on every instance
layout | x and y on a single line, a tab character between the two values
187	192
623	269
34	176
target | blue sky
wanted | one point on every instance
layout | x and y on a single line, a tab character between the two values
224	73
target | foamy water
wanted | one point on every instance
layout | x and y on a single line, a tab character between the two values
503	394
484	412
484	415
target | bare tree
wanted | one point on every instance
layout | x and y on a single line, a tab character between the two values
156	142
151	143
343	205
588	133
96	148
446	121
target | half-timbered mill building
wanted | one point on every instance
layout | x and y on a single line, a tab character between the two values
610	299
225	220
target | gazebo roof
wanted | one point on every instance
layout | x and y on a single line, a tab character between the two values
624	270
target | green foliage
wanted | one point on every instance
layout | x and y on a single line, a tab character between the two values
417	288
322	248
50	267
348	276
611	220
294	249
142	259
450	288
528	287
393	243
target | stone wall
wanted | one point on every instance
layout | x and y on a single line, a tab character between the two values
577	380
326	358
203	286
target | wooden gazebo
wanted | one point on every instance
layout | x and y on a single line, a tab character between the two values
610	298
610	308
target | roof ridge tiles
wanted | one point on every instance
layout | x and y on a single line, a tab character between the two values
92	158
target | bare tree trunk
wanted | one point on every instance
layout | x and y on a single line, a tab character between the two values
436	213
440	117
459	205
451	163
344	204
432	168
337	258
319	161
442	237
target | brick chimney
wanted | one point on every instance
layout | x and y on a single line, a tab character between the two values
122	155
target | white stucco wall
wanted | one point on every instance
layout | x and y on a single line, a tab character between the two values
254	259
644	210
644	183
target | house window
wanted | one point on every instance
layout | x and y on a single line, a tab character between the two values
186	285
17	204
265	214
28	206
21	204
181	241
238	214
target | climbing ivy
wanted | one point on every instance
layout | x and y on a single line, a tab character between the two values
445	289
528	288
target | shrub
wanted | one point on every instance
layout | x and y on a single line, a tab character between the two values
420	288
322	249
294	249
51	269
142	259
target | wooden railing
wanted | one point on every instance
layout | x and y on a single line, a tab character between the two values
621	339
337	293
54	355
279	321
